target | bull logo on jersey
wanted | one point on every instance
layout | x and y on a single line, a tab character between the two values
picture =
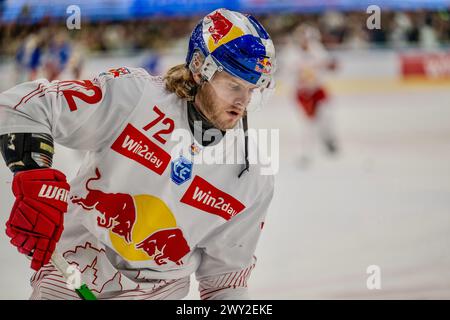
165	245
181	170
141	227
117	211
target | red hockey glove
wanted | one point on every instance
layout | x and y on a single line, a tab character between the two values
36	221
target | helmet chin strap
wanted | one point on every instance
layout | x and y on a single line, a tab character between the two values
247	164
200	126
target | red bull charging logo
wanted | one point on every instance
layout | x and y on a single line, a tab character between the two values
141	227
117	209
219	30
221	26
263	65
165	245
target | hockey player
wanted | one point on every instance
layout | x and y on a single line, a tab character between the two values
312	98
140	218
28	58
57	56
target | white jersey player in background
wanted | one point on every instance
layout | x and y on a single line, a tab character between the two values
311	62
142	217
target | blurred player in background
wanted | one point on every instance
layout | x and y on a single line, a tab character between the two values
152	63
57	56
76	62
51	56
312	62
28	57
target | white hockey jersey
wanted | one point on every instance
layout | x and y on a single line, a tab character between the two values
147	208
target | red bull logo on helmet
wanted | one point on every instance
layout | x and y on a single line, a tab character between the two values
218	30
220	27
264	66
141	227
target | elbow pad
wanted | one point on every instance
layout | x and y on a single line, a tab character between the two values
27	151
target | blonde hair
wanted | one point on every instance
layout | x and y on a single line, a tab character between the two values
180	81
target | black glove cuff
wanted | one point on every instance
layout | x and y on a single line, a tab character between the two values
26	151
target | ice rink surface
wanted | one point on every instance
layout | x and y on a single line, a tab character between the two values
384	200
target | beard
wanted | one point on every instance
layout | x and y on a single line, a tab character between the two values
211	109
